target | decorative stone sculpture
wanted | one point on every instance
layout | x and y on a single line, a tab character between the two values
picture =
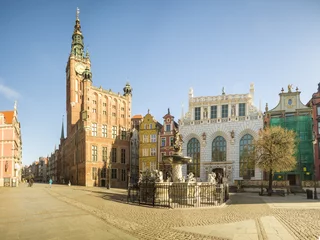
191	178
212	178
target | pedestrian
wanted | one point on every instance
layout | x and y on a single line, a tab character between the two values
69	184
50	182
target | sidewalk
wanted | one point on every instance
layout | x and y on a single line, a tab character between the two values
31	213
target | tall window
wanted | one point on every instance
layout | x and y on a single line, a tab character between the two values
152	166
224	111
197	113
171	141
219	149
104	130
168	127
152	151
114	173
318	110
213	112
153	138
94	152
145	138
114	155
123	175
104	153
163	142
242	109
246	168
123	155
103	173
151	125
114	132
123	134
94	129
193	151
94	173
145	152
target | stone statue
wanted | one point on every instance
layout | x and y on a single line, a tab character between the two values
158	176
232	134
290	87
233	110
177	141
223	93
205	113
212	178
191	178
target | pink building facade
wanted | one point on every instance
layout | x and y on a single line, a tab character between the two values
10	149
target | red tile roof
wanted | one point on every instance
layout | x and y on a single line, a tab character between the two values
137	116
8	116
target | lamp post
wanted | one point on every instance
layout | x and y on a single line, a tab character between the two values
109	175
314	142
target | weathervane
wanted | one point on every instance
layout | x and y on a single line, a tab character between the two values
77	14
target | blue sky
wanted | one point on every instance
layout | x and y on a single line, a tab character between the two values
161	47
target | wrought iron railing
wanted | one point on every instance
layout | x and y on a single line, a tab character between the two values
178	195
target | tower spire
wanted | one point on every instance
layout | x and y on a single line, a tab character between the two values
62	129
77	38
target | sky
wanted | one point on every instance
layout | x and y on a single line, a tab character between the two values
162	48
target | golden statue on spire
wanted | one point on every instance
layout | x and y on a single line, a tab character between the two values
77	13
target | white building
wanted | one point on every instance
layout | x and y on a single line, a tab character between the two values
216	132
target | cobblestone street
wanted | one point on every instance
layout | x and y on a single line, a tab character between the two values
63	212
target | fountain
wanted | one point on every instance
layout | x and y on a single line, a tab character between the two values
178	191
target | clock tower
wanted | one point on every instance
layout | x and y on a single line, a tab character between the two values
78	62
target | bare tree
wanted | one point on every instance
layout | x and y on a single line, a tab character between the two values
274	151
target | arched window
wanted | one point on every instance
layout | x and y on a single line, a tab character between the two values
193	151
246	168
219	149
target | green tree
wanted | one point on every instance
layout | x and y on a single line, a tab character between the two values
274	150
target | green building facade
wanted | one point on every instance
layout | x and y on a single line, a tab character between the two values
291	114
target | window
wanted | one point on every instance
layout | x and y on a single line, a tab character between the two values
104	112
318	110
171	141
114	155
145	152
104	104
123	134
114	132
122	115
123	156
94	173
152	151
103	173
104	153
224	111
113	114
94	110
94	101
123	175
213	112
122	109
152	166
168	127
163	142
153	138
242	109
114	173
151	125
246	168
197	113
104	130
94	129
193	151
145	138
94	153
219	149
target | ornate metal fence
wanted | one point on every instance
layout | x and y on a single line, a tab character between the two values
178	195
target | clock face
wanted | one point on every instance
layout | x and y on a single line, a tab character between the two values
80	68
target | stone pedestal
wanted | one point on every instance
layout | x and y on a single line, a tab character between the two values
176	172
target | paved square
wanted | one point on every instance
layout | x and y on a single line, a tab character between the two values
64	212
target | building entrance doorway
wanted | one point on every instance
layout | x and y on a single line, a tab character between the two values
219	174
103	183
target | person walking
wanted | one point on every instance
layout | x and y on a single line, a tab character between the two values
50	182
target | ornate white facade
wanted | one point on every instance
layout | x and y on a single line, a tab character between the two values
230	116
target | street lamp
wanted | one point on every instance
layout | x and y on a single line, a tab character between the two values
314	169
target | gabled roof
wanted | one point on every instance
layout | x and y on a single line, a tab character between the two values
137	117
8	116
